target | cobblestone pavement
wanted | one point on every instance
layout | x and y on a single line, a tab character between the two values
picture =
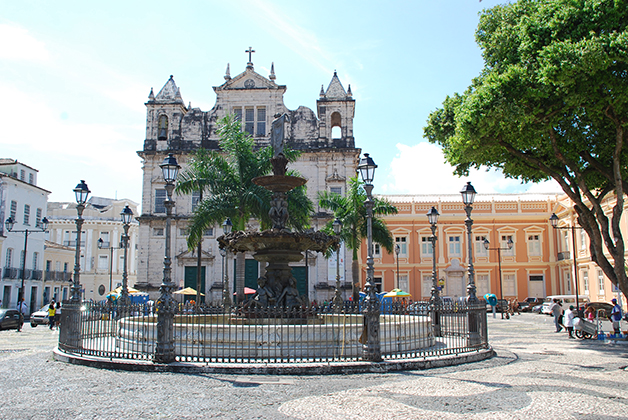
537	374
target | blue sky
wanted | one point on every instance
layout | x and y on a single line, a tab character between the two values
75	76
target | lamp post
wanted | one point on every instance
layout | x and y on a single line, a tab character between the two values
432	217
127	217
499	263
9	223
397	251
227	226
81	192
371	349
554	221
468	196
101	245
164	350
70	333
338	302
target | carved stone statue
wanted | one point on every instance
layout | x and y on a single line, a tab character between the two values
278	212
290	296
277	134
264	296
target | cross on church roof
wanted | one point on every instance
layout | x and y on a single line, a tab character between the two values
250	51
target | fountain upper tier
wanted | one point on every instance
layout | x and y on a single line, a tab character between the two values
270	244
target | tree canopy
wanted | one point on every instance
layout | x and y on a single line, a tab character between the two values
551	102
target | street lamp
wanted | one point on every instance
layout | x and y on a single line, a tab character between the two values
499	262
101	245
338	302
41	227
227	226
468	196
371	349
432	217
554	221
397	251
81	193
164	350
127	217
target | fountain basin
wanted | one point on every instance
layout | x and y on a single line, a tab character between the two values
327	335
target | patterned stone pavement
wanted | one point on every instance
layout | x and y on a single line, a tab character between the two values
536	374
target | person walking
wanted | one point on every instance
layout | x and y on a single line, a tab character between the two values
557	311
615	316
58	315
23	310
569	317
51	315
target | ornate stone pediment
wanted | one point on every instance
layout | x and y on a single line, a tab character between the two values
187	257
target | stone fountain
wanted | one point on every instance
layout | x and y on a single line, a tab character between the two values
278	246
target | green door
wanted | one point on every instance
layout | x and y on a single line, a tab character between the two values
300	274
190	281
251	273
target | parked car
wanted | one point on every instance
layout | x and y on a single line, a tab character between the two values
40	317
9	318
602	309
537	309
564	300
529	303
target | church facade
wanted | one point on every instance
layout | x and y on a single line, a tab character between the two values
329	159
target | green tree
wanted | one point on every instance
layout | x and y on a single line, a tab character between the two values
351	212
226	176
551	102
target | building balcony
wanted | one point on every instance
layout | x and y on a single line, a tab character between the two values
36	275
9	273
323	286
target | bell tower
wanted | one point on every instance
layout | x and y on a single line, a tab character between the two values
163	115
336	109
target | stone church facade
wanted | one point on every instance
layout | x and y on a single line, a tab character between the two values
329	158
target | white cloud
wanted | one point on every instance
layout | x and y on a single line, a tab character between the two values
18	44
64	151
421	169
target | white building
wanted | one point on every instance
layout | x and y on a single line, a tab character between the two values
101	267
25	202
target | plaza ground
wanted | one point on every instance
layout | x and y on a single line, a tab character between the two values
536	374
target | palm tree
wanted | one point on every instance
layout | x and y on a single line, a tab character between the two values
351	212
196	179
227	177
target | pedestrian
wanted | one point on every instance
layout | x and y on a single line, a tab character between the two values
51	315
615	316
569	317
589	313
23	310
557	311
58	314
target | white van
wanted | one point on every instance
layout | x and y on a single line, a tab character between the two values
564	300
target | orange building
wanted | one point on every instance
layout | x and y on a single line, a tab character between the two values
538	264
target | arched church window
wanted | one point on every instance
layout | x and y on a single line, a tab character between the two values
336	126
163	128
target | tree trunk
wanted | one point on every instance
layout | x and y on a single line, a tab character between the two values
355	274
240	276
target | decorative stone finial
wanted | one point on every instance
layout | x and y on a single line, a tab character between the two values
151	95
349	91
227	73
272	72
322	94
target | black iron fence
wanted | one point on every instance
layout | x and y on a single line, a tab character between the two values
211	334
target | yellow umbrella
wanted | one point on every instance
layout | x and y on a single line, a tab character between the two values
188	291
397	293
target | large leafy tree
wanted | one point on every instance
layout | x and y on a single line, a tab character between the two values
226	175
351	212
551	102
